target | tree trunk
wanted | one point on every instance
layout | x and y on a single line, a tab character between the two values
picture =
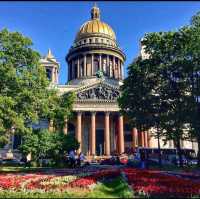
178	147
198	153
159	152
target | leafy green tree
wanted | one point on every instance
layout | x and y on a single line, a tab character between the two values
174	58
141	93
25	94
43	144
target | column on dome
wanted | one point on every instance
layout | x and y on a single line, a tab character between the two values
121	134
89	65
78	67
93	134
72	72
111	66
92	64
108	66
79	129
119	68
113	69
122	70
104	64
81	63
69	71
100	62
84	61
107	133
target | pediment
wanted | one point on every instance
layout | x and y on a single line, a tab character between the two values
99	91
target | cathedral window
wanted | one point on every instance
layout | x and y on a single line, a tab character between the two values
96	40
90	40
49	73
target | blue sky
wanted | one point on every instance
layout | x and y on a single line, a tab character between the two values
55	24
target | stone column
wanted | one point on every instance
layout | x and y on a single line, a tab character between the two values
92	64
85	65
53	75
108	66
114	73
93	134
65	127
121	134
107	134
72	72
50	127
145	139
122	70
78	129
100	62
118	68
142	139
134	137
78	68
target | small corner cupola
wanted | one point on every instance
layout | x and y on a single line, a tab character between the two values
95	13
49	54
52	67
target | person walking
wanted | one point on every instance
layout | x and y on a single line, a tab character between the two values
72	158
81	158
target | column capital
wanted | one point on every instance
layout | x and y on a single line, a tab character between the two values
79	112
107	113
93	112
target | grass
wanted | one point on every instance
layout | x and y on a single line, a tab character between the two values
115	188
174	168
14	169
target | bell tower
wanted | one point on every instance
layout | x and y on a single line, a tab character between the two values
52	67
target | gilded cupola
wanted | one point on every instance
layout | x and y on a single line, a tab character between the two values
94	51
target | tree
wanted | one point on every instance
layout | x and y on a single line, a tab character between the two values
141	93
25	94
174	58
43	144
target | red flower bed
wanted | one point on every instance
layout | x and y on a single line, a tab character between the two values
86	181
156	183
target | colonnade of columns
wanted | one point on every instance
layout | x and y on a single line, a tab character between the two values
140	138
92	136
88	64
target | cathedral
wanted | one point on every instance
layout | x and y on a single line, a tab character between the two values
95	73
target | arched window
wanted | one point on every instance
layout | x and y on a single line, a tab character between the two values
49	73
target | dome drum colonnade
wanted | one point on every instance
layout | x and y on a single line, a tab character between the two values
95	49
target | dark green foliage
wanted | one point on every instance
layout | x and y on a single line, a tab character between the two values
161	91
44	144
25	94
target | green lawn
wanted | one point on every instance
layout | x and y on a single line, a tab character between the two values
13	169
116	188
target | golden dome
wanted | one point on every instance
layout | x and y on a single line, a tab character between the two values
95	26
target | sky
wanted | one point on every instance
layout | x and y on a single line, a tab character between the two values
54	24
